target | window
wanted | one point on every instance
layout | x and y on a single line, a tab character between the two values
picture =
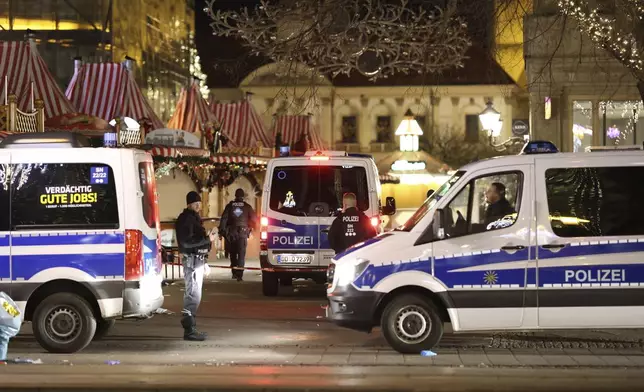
384	131
149	200
349	129
582	125
604	201
317	190
620	122
431	202
486	203
472	128
4	197
63	196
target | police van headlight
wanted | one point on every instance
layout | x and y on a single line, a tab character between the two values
346	272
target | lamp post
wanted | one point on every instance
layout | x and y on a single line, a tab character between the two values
492	124
409	130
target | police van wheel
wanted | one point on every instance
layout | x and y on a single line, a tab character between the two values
411	324
270	284
103	328
64	323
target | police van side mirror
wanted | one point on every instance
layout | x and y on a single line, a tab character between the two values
439	225
390	206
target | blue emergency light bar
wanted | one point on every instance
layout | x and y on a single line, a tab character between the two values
539	147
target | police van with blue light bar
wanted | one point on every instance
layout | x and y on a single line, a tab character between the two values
564	249
79	236
302	195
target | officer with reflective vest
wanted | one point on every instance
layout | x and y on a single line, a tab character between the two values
237	222
350	227
194	246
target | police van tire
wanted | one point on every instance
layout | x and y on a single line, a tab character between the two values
64	323
270	284
411	324
103	328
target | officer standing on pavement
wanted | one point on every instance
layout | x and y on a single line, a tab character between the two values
194	246
237	222
350	227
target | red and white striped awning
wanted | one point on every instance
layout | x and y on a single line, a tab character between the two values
293	127
241	123
175	152
21	63
192	111
108	90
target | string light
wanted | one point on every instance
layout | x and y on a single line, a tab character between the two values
601	30
374	37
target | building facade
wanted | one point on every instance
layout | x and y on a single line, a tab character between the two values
158	34
580	96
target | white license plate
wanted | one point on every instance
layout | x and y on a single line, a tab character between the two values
294	259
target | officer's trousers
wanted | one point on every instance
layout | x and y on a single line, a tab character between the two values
193	270
238	254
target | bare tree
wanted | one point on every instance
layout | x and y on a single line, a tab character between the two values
374	37
614	25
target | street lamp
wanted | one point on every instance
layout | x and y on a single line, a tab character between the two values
492	124
409	130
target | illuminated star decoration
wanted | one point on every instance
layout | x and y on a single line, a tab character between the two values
490	277
374	37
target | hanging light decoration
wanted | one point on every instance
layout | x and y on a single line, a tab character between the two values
374	37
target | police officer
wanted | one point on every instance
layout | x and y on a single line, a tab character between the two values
237	221
194	246
350	227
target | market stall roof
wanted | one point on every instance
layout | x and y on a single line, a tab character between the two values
293	127
241	123
108	90
21	64
76	122
192	111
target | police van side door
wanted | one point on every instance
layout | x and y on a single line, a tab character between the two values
5	213
292	233
484	264
590	242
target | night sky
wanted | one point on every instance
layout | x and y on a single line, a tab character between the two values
226	62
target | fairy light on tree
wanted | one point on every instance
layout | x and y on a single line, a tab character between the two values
374	37
621	34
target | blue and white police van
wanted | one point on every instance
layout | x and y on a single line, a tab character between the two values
79	236
302	195
570	254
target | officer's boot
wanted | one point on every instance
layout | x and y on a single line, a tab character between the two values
190	331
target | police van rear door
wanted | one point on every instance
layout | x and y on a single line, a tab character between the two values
590	247
337	177
293	225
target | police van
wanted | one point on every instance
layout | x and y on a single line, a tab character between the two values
79	236
302	195
567	252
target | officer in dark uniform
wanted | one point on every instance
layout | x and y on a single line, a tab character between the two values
194	246
237	222
350	227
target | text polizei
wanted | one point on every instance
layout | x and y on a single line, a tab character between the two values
590	276
293	240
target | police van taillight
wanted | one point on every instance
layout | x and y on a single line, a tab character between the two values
263	232
134	264
375	221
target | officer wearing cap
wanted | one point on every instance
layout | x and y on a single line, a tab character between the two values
350	227
237	222
194	246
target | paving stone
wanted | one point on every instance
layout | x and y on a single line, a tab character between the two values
362	359
334	359
559	360
588	360
616	360
503	360
418	360
636	359
307	359
474	359
531	360
445	360
390	359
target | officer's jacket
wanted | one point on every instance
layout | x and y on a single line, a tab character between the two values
191	235
237	214
349	228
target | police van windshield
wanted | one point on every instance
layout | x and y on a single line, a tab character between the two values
430	202
317	190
